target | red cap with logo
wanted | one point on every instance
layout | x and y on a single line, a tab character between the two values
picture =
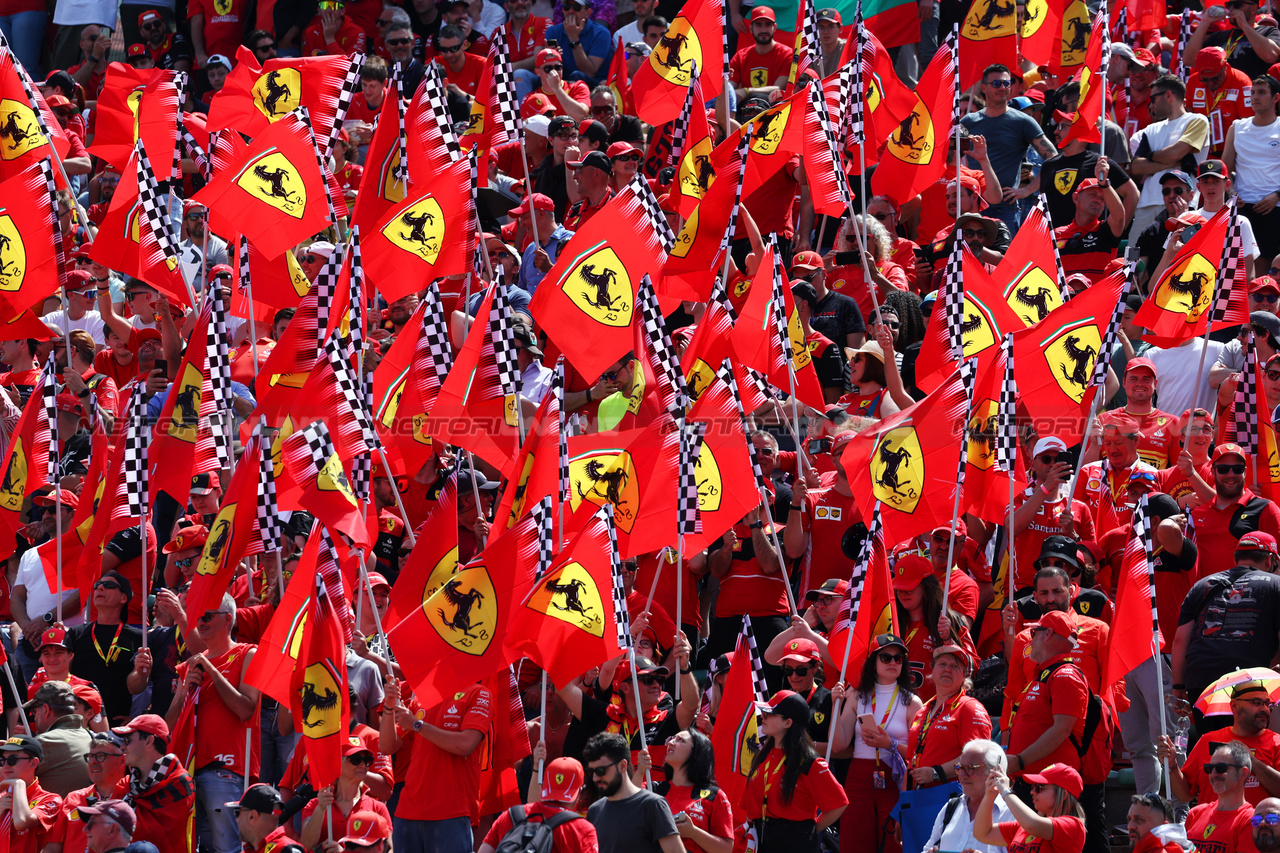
354	746
910	570
1228	449
1210	60
547	54
563	780
366	828
1061	775
800	650
763	13
1258	541
57	637
1059	623
1264	282
188	538
150	724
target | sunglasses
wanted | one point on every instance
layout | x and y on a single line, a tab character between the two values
500	253
383	23
599	771
602	111
1035	789
572	7
263	48
208	617
1270	819
311	259
968	768
403	42
85	262
890	323
184	563
106	585
973	232
887	657
362	758
552	68
193	217
12	760
442	49
1050	458
331	5
765	451
633	157
649	680
1219	767
883	216
1264	297
1273	375
1228	469
801	671
1000	84
150	25
1168	191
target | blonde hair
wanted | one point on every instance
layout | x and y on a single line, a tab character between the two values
879	243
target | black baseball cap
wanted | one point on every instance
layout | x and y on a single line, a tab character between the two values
595	160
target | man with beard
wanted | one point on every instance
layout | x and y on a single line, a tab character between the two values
1229	619
760	69
1235	509
1102	484
1159	441
1266	818
1173	139
626	817
1153	827
1223	826
1251	712
398	313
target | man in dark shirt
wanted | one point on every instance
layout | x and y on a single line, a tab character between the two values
1251	47
622	128
1061	175
834	315
1176	189
828	359
107	650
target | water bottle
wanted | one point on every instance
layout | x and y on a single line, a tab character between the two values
1181	724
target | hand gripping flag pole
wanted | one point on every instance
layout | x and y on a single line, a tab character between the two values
966	379
856	584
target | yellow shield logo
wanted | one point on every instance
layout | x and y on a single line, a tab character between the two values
273	180
746	741
606	476
184	420
134	101
990	19
475	121
1064	180
390	411
799	348
982	434
321	701
301	284
277	456
978	334
700	376
570	594
418	229
913	141
601	288
1034	296
1034	17
770	126
446	568
522	484
465	610
696	172
278	92
19	130
1071	355
214	556
13	254
677	51
688	233
897	469
1188	287
710	486
392	190
14	487
333	479
1076	28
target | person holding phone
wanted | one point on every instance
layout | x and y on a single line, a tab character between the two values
1054	825
875	723
700	809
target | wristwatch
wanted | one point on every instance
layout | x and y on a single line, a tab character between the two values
417	725
756	525
573	45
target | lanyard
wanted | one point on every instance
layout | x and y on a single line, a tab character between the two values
114	650
888	712
933	714
769	776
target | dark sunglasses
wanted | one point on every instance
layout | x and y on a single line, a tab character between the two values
362	758
151	25
208	617
12	760
311	259
599	772
889	657
403	42
602	111
1219	767
765	451
892	324
999	84
649	680
442	49
801	671
883	216
633	157
262	48
106	585
84	262
1051	458
1259	819
184	563
1229	469
973	232
1168	191
1273	375
572	7
1261	297
1035	789
552	68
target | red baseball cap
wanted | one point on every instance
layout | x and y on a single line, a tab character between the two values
800	650
58	636
536	104
1140	363
1059	623
1258	541
354	746
69	498
807	261
547	54
1264	282
563	780
617	149
1144	57
138	49
540	202
188	538
910	570
376	580
69	403
149	16
763	13
1086	184
55	101
1210	60
1229	449
961	529
1061	775
150	724
831	586
366	828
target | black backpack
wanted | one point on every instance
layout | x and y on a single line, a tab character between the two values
527	836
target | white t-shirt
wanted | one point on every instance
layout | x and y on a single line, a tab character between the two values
1257	159
629	33
91	322
1176	370
897	724
1191	128
40	599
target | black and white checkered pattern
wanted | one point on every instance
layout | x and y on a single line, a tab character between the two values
192	150
724	52
811	56
504	84
725	373
758	683
218	354
953	297
349	87
322	159
967	376
55	230
1246	402
953	42
563	484
680	125
858	580
436	330
853	86
619	591
1112	335
665	359
544	522
1184	36
1007	412
326	285
49	396
350	386
1142	530
356	309
1042	204
156	211
27	87
779	305
269	528
1231	251
134	465
244	284
688	515
818	102
362	464
433	88
640	186
331	579
502	336
401	171
173	180
729	233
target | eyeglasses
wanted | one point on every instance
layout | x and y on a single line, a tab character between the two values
311	259
889	657
1270	819
1264	297
602	769
633	157
552	68
892	324
1168	191
106	585
184	563
883	216
361	758
1228	469
12	760
208	617
151	25
801	671
999	84
605	110
649	680
84	262
1219	767
403	42
453	48
101	756
973	232
968	768
570	136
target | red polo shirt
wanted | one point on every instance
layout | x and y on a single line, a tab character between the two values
1046	522
1063	692
45	805
832	514
1213	537
525	43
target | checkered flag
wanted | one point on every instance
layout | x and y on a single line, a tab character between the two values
25	76
49	395
362	464
852	86
811	54
1007	412
1142	532
504	84
345	94
858	580
350	386
1184	36
729	233
619	591
55	230
953	42
818	101
269	528
562	470
953	296
502	335
1246	402
967	371
326	285
657	218
1042	204
157	213
758	682
357	307
400	173
436	330
544	522
434	89
136	438
331	580
193	151
688	516
1112	335
664	359
322	159
218	353
175	166
1227	266
725	373
680	126
779	306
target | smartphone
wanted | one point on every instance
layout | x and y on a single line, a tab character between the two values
846	259
966	146
1190	230
553	44
868	722
162	365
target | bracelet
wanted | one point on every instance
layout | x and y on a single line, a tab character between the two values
1045	490
83	394
684	671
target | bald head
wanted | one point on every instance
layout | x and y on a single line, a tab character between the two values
1266	836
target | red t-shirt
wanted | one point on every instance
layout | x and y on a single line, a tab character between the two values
105	363
1160	441
1045	523
772	202
69	828
746	589
920	655
1212	536
1068	837
964	592
349	39
1175	484
664	596
361	111
1063	692
573	835
365	803
441	785
832	514
938	736
45	806
709	813
467	78
816	791
751	69
851	281
1214	831
223	24
219	738
577	91
525	43
349	176
1265	747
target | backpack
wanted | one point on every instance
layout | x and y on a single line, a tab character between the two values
527	836
1094	746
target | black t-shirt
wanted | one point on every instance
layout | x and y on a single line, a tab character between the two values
627	129
595	719
1151	241
164	651
180	50
837	316
830	365
819	714
1164	561
633	825
1240	54
549	179
1236	614
107	666
1059	177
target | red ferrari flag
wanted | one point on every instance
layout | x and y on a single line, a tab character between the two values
178	433
27	125
988	35
538	464
914	156
726	483
587	300
136	104
993	441
313	471
1029	270
694	39
566	622
320	702
695	172
1135	611
386	169
429	235
406	382
433	560
908	462
869	608
735	737
256	95
277	284
275	193
28	259
458	634
272	667
26	464
696	257
1093	89
618	81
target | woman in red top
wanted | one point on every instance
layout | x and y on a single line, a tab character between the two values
1055	826
701	810
947	722
925	625
343	798
790	793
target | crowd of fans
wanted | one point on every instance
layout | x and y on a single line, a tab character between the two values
1002	706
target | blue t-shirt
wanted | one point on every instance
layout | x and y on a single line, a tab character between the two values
596	41
1007	138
